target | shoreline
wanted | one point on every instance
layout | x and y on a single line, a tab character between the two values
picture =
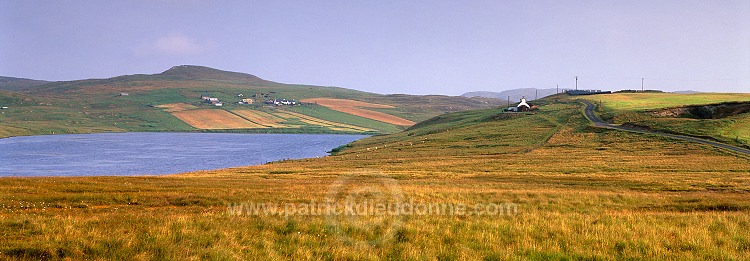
238	131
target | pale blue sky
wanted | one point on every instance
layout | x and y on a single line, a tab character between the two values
419	47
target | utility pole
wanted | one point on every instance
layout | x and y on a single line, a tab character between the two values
536	94
558	89
508	101
642	84
576	83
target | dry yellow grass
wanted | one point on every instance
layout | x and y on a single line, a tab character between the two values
175	107
580	192
209	119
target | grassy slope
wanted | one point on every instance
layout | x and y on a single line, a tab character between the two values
581	193
646	101
18	84
631	108
93	105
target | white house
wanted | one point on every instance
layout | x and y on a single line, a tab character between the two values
523	106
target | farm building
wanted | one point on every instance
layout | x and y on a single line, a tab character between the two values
523	106
211	100
281	102
288	102
586	92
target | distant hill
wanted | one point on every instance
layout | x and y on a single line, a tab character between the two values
171	101
193	72
686	92
177	76
18	84
515	94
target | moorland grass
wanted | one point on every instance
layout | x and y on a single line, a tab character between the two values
579	193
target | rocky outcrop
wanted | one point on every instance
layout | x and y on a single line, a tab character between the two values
709	111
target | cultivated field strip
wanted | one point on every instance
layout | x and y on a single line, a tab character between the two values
209	119
262	118
320	122
356	108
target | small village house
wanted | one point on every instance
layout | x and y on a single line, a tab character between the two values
281	102
523	106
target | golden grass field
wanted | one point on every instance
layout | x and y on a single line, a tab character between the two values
578	192
356	108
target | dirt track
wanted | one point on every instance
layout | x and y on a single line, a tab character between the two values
589	112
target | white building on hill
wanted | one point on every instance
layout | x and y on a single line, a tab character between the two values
523	106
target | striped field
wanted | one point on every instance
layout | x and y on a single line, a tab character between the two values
211	119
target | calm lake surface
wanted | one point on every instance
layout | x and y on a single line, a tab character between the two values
154	153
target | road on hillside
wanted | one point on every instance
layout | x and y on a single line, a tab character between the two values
589	111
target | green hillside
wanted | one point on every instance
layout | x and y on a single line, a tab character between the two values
671	113
137	103
19	84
